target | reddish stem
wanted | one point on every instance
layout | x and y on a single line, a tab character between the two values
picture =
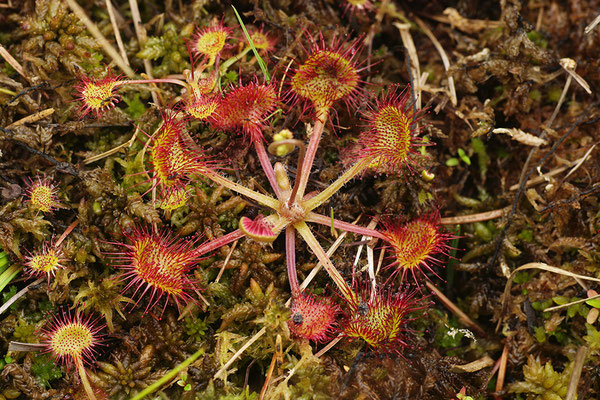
216	243
309	157
157	80
263	157
290	258
66	232
345	226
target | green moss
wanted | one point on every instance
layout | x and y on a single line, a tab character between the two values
538	39
169	48
526	235
25	332
135	108
522	277
542	382
592	338
196	328
45	369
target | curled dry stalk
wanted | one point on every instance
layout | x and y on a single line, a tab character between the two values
534	265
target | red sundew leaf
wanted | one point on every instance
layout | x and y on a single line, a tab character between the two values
258	229
390	142
42	194
245	108
210	40
157	264
72	337
174	162
44	261
329	74
97	95
418	244
313	318
380	318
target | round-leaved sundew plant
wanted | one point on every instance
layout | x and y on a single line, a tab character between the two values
44	261
379	318
173	161
42	195
389	143
156	265
73	339
97	95
245	108
416	245
330	73
313	318
210	40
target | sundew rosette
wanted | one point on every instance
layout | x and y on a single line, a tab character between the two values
73	339
42	195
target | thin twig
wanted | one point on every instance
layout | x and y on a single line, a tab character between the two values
13	63
276	360
471	218
66	233
140	33
329	346
464	318
18	295
502	369
241	351
444	57
115	26
580	161
114	150
32	118
570	303
570	66
414	58
561	99
592	25
576	373
108	48
226	261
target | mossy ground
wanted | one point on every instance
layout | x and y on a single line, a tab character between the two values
505	64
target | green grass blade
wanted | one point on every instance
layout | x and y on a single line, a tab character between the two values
8	275
168	376
261	63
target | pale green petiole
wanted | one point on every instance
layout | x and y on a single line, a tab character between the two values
314	245
350	173
258	197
